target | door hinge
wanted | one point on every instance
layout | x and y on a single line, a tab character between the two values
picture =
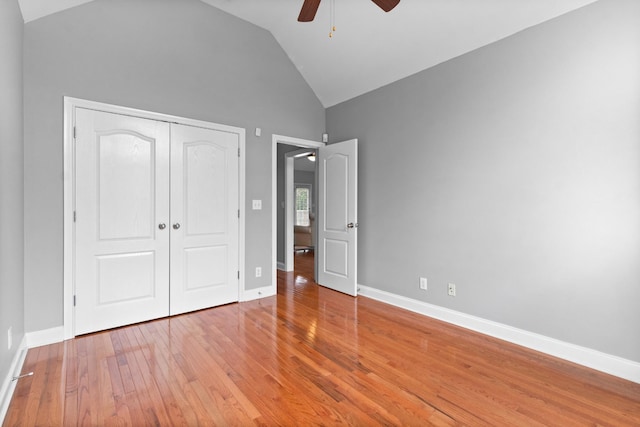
238	213
74	216
238	274
74	132
238	152
74	300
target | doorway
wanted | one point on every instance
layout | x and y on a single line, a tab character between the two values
335	265
285	151
301	224
299	200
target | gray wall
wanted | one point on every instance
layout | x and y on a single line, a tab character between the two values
514	172
305	177
178	57
11	183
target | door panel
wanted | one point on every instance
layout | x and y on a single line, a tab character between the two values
205	267
122	258
126	178
125	277
336	201
204	249
205	184
338	216
336	257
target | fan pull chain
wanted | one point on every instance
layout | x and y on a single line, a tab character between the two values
332	18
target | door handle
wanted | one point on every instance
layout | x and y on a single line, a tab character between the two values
162	226
352	225
176	225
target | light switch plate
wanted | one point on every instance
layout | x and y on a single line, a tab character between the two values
257	205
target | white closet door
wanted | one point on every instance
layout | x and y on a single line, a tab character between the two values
121	251
204	218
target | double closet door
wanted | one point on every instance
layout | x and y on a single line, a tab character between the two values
156	229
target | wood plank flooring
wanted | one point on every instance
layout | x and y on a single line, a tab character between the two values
309	356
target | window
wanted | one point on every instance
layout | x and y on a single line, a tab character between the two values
303	204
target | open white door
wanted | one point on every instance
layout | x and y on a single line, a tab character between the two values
338	216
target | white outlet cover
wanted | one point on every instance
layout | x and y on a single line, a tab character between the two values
258	271
451	289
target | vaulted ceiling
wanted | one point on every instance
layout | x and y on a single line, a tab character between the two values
371	48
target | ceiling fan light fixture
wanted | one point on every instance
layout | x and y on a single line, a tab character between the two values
311	157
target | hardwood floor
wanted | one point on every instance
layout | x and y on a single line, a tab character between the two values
309	356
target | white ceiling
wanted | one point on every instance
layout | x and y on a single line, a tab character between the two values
371	48
34	9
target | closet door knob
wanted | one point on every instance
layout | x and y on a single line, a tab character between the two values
176	225
162	226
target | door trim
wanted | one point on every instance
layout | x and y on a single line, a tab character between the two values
70	104
275	140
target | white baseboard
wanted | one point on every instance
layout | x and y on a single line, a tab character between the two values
590	358
30	340
251	294
8	385
45	337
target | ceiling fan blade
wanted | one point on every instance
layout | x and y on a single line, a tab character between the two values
308	11
386	5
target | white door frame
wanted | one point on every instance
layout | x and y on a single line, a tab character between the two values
298	142
70	104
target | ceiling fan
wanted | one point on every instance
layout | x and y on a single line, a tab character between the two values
310	7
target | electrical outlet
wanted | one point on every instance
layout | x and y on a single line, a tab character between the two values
423	283
258	271
451	290
9	337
